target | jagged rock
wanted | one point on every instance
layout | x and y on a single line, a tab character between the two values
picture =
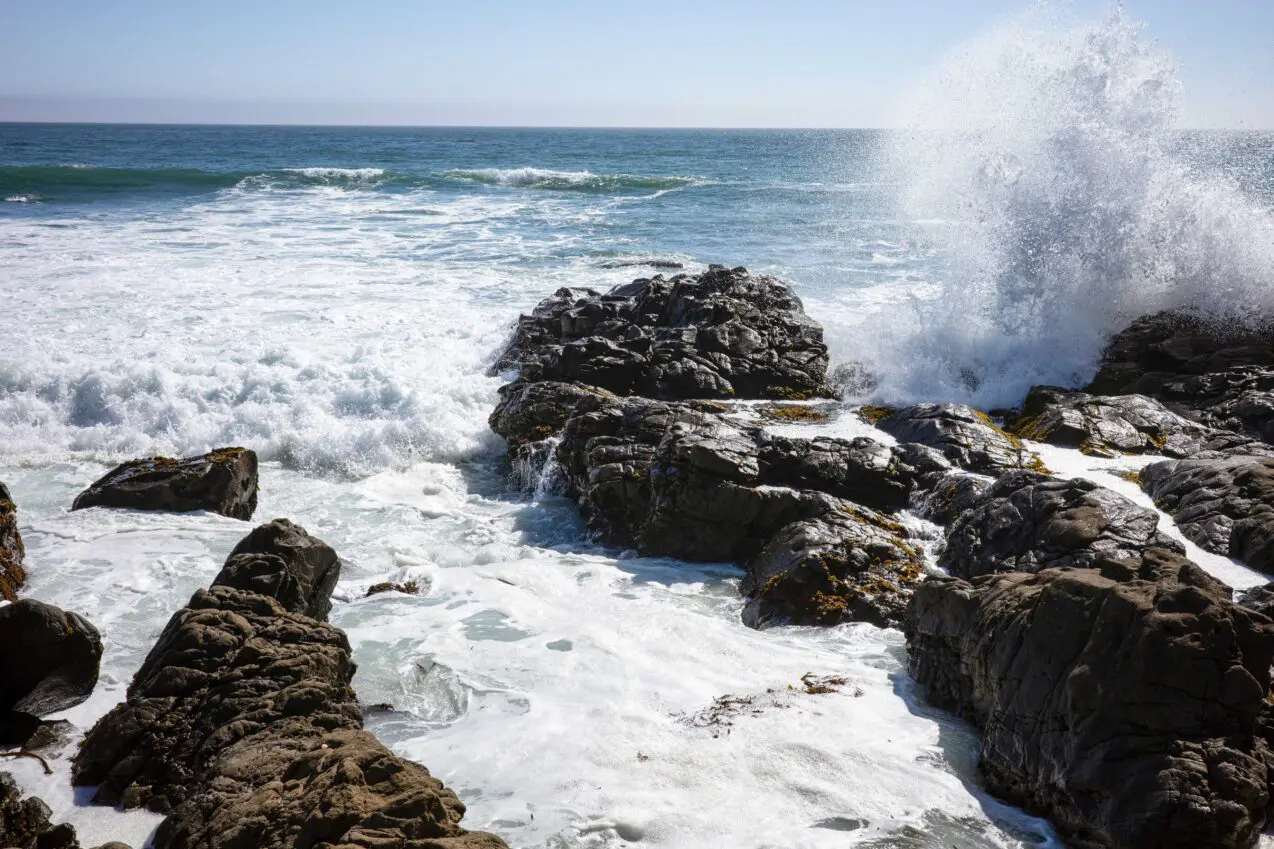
968	438
25	822
242	727
1122	701
49	658
12	552
848	564
529	414
1260	599
1218	373
283	561
1027	521
951	497
223	481
721	334
406	588
1223	505
680	479
1108	426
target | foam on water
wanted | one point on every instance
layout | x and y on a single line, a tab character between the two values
1046	150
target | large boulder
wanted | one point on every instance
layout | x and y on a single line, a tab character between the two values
1223	505
1122	701
1218	373
848	564
49	658
967	437
222	481
12	552
283	561
242	727
721	334
1026	521
1110	426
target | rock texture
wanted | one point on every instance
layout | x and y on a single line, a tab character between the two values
967	438
12	552
49	660
1222	505
1027	521
1120	701
25	822
223	481
283	561
1220	374
1110	426
848	564
721	334
241	725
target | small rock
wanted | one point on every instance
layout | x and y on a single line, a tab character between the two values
223	481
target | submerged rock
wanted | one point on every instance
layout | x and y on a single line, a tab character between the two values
967	438
283	561
1110	426
1026	521
1219	374
49	660
1225	506
12	552
721	334
223	481
242	727
848	564
1121	701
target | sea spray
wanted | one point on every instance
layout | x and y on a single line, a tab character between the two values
1038	163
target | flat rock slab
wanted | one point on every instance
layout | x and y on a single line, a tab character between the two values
1225	506
223	481
1122	701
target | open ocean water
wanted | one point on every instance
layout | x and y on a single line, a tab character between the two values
333	297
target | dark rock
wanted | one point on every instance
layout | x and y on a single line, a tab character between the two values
281	560
1218	373
860	469
531	412
223	481
12	552
968	438
1223	505
951	497
1260	599
50	658
24	823
848	564
242	727
720	334
1122	701
408	588
1027	521
1109	426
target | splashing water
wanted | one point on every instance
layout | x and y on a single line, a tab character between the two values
1039	162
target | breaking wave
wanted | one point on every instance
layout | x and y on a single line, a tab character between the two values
570	181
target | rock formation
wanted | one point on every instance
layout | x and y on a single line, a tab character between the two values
12	552
49	661
223	481
967	438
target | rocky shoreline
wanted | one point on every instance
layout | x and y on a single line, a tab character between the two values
1119	689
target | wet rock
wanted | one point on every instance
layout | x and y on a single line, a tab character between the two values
242	727
1110	426
407	588
1218	373
530	414
50	659
12	552
1225	506
1260	599
860	469
849	564
967	438
721	334
25	822
1027	521
1120	701
223	481
951	497
281	560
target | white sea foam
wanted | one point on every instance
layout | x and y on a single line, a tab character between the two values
1045	146
543	178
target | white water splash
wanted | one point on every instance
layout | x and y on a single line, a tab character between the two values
1041	157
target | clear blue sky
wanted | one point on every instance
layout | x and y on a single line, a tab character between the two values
555	62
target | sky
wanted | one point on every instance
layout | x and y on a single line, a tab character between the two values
731	63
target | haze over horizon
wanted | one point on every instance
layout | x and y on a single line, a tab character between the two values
561	63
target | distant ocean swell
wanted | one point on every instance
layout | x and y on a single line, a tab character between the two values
30	184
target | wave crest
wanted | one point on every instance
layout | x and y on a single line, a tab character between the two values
577	181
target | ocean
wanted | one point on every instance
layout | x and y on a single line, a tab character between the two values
333	297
